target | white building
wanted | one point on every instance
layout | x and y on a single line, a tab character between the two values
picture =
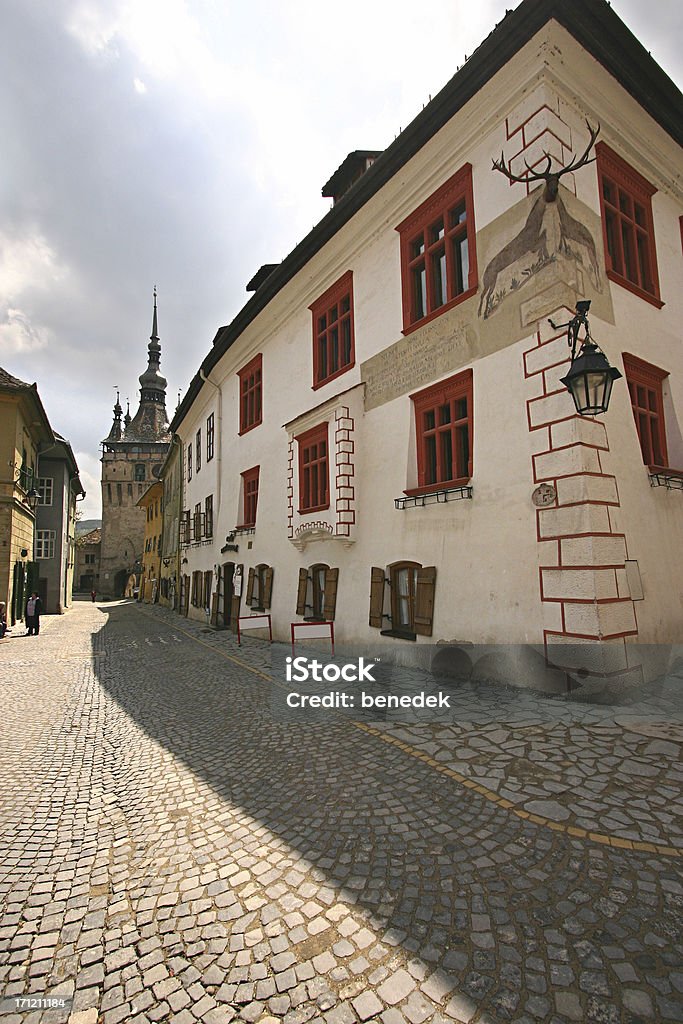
366	441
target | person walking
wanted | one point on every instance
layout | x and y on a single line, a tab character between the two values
3	619
32	612
93	595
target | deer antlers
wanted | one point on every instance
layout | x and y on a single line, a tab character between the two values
532	175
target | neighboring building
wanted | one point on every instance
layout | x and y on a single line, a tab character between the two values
24	427
152	501
171	478
132	456
58	485
381	436
87	567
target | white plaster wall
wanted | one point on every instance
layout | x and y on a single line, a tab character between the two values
486	549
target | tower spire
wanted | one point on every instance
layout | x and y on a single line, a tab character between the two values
154	336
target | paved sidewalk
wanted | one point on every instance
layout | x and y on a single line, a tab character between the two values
173	852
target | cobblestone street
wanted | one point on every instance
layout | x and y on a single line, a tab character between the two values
171	851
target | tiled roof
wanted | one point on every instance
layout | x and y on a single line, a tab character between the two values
8	381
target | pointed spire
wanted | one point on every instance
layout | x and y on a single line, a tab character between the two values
126	418
115	432
154	336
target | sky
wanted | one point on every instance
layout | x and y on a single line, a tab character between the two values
182	144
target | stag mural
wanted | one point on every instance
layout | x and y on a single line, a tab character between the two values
542	236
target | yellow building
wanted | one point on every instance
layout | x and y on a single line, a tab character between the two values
153	503
23	427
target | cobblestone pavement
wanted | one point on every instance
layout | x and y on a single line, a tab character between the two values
171	851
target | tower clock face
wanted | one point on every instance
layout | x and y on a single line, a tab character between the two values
545	494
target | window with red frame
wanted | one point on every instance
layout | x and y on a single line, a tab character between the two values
628	230
250	395
645	388
250	480
438	252
314	488
333	342
443	422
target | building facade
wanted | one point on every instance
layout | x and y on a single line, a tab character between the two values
171	478
24	428
87	561
59	487
152	501
132	456
381	437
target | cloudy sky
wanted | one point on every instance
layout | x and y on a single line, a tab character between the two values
184	143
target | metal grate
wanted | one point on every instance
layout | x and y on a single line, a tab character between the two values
433	498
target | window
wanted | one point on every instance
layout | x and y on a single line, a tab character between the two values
260	587
208	516
314	491
317	592
410	602
443	430
250	479
45	490
645	388
197	521
438	252
333	342
45	543
206	595
209	437
198	446
189	462
139	471
185	527
628	230
250	395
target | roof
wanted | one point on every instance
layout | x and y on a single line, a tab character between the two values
66	453
342	177
12	385
593	24
94	537
260	276
7	381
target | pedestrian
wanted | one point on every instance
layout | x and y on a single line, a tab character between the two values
32	614
93	595
3	619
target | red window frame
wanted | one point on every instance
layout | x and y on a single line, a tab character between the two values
251	394
189	462
645	389
436	273
627	225
444	432
250	485
333	332
314	469
198	445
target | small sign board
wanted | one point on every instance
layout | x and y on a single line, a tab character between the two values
253	622
313	631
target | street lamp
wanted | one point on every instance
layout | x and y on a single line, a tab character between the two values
590	376
32	499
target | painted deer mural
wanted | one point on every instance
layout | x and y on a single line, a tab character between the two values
533	240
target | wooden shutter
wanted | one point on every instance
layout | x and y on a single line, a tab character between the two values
331	579
377	582
250	587
301	592
267	587
424	600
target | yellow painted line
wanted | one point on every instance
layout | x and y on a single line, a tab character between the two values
487	794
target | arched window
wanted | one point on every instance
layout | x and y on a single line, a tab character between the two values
139	471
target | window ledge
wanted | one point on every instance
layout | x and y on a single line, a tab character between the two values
244	530
409	328
418	499
398	634
662	476
634	288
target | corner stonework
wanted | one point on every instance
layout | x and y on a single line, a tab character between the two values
582	574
